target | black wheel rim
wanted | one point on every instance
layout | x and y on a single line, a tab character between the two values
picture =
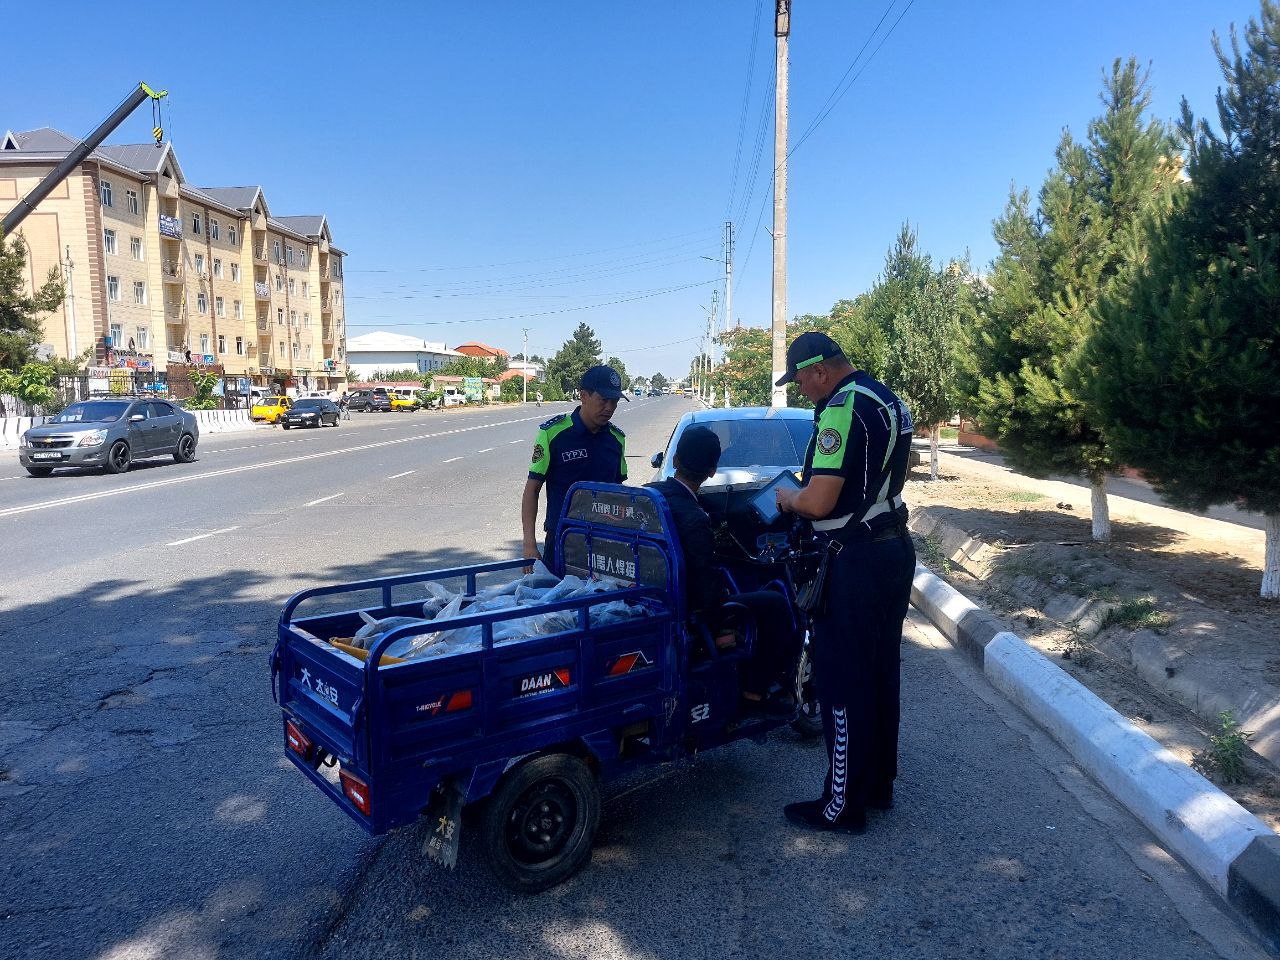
541	823
119	456
186	447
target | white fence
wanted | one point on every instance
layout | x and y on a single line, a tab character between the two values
210	421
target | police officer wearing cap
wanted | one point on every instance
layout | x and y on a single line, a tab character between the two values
582	445
854	471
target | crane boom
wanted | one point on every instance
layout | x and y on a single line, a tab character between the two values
90	143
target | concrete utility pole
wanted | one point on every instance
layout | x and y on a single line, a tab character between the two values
69	267
728	274
524	352
782	31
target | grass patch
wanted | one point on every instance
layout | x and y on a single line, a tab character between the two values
934	555
1224	761
1076	649
1024	496
949	433
1138	613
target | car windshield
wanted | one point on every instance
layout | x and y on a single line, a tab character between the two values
95	411
754	443
271	401
308	405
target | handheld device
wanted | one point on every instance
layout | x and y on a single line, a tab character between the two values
764	504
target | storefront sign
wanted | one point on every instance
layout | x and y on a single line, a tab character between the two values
170	227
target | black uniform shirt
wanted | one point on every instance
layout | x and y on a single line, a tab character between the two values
566	452
697	543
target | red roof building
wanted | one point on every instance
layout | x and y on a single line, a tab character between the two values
483	351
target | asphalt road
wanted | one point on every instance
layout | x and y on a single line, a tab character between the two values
146	808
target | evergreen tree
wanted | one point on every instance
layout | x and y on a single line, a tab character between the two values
575	356
622	371
1024	365
1186	358
20	325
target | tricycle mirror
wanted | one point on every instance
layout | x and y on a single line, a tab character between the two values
137	418
656	459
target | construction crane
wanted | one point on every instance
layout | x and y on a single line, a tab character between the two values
90	143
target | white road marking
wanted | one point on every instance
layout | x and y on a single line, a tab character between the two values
397	476
485	450
247	467
451	460
332	496
178	543
519	440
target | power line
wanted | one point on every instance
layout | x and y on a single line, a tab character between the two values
656	346
742	116
544	313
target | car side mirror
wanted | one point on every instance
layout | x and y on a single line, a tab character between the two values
137	418
656	460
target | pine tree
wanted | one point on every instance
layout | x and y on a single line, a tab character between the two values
575	356
1186	358
20	325
1025	371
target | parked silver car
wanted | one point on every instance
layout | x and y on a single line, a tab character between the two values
111	433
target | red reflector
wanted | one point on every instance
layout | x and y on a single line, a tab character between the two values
298	741
357	791
461	700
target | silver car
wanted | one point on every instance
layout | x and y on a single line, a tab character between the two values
110	433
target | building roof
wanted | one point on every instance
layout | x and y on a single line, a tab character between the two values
382	342
43	140
308	226
474	348
238	198
143	157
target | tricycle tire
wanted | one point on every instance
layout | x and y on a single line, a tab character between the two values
540	823
808	721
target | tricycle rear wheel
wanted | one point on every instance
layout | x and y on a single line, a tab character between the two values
540	823
808	721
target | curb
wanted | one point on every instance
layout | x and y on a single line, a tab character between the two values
1228	847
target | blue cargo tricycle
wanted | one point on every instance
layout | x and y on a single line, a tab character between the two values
523	729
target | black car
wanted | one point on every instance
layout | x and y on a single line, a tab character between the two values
376	400
311	412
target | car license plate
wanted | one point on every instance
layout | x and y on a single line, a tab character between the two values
46	456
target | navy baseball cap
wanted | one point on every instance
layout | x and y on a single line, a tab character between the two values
698	451
604	381
806	349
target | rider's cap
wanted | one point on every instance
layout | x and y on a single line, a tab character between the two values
807	349
698	451
604	381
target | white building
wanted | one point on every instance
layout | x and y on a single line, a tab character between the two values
381	352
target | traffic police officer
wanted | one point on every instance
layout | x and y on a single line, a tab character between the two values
854	471
582	445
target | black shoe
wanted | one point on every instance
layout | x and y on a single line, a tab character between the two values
880	798
810	814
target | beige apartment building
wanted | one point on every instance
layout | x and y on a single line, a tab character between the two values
163	275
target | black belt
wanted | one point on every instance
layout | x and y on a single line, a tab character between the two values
892	532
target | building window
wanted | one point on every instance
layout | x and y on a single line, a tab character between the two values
306	320
135	247
302	258
140	291
117	336
275	246
238	309
202	302
308	351
235	273
195	224
144	339
337	268
113	288
218	308
217	268
288	252
105	189
293	318
204	343
222	343
233	237
293	287
199	264
281	350
213	230
109	241
306	289
280	316
239	346
279	283
131	200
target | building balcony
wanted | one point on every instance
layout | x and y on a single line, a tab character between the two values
261	290
260	253
175	313
171	271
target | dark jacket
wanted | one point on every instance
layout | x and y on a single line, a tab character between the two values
697	543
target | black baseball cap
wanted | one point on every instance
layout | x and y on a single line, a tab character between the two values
604	381
808	348
698	451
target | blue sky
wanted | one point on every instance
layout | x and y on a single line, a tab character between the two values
529	164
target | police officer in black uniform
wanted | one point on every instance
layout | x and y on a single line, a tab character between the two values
854	472
582	445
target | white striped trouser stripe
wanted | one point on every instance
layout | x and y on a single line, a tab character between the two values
839	764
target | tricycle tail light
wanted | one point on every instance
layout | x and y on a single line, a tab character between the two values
298	741
356	790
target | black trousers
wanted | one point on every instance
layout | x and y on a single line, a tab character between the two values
857	667
778	641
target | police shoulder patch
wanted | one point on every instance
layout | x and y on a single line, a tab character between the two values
829	441
553	421
840	398
538	452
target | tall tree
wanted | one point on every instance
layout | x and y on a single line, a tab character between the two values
575	356
20	325
1186	358
1024	361
622	371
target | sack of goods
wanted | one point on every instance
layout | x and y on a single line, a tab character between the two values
531	590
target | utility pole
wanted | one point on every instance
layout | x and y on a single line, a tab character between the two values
782	31
68	266
711	349
728	274
524	379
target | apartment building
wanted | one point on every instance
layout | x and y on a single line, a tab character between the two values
163	275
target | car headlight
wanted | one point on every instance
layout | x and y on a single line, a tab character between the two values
94	438
25	439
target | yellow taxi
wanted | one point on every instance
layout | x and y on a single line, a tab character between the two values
407	404
270	409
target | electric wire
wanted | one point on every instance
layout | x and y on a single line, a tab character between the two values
742	115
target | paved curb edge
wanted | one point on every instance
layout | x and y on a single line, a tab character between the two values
1228	847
